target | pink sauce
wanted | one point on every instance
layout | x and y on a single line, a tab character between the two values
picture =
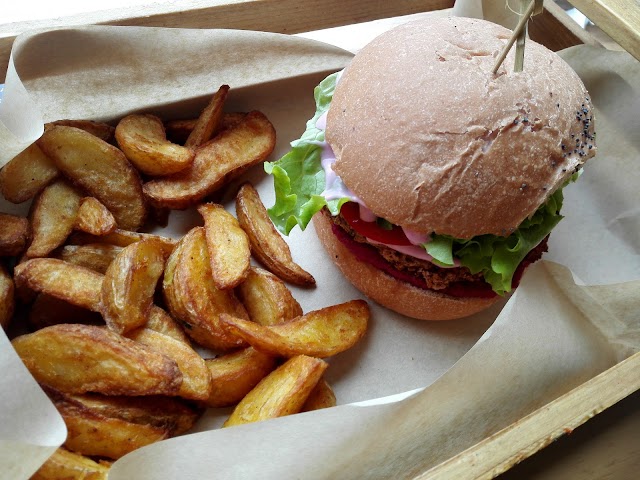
370	255
336	189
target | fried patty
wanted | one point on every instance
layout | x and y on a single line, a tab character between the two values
433	276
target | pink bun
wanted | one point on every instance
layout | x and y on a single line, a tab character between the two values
431	140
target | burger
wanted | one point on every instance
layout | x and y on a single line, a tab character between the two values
432	181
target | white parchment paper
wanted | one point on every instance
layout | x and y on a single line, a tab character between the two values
551	336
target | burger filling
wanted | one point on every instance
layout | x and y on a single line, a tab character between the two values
484	265
421	273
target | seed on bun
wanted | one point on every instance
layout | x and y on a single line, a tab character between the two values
457	172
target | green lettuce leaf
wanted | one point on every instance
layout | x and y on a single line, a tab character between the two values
298	177
497	258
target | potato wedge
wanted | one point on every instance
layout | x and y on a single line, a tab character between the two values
143	140
129	284
47	310
235	374
321	396
53	215
267	245
84	358
7	297
192	297
228	154
104	131
227	244
160	321
92	435
178	130
94	218
267	299
158	216
95	256
66	465
321	333
196	378
26	174
89	432
100	169
72	283
209	120
282	392
122	238
14	235
170	414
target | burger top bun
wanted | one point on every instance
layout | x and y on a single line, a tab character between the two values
430	139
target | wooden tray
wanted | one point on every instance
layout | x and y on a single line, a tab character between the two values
620	19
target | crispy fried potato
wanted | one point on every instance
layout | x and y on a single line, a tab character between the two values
84	358
14	235
192	297
101	130
228	154
196	379
209	120
95	256
235	374
26	174
170	414
321	333
129	284
94	218
122	238
267	299
143	140
47	310
100	169
231	119
160	321
66	465
321	396
158	216
53	215
7	297
178	130
89	432
227	244
282	392
72	283
267	245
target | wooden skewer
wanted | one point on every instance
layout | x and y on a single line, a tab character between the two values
518	63
516	32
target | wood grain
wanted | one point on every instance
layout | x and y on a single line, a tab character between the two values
620	19
506	448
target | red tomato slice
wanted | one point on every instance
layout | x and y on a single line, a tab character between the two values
351	213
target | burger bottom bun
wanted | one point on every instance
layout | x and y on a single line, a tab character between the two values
389	292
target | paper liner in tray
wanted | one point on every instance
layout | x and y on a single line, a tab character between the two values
551	336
